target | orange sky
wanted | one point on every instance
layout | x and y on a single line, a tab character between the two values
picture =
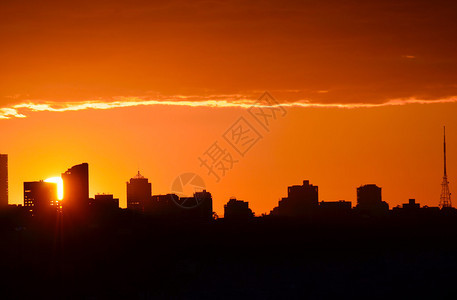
139	54
398	148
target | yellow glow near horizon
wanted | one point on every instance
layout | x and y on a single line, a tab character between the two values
59	182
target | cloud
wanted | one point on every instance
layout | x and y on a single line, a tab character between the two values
8	112
22	110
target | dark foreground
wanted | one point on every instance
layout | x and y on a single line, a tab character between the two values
135	257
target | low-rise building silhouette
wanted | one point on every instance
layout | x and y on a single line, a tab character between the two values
411	209
411	205
335	207
237	210
162	205
199	206
104	202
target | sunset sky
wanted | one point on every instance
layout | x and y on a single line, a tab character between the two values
125	85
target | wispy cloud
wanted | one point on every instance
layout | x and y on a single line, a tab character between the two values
222	101
7	113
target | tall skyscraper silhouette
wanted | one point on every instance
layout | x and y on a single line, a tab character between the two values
445	198
3	180
76	189
139	192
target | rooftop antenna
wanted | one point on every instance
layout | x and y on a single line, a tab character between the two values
445	198
138	174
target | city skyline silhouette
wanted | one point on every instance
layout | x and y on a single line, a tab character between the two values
301	201
139	188
405	171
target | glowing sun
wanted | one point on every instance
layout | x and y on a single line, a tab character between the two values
59	182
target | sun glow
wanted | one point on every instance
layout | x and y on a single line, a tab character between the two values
59	182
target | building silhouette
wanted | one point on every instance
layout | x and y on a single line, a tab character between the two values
413	210
200	206
369	200
139	192
3	180
301	200
237	210
162	205
76	190
104	202
205	206
40	197
411	205
335	207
